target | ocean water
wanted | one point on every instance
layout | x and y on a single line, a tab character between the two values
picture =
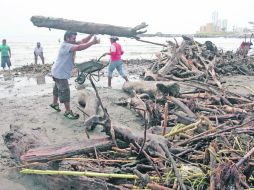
22	47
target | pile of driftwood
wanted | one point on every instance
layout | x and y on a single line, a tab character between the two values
210	131
192	60
198	139
196	135
209	123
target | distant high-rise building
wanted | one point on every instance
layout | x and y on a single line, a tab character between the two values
217	24
224	25
215	17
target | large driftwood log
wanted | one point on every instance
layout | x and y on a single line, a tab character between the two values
33	145
18	142
153	141
53	152
39	152
152	87
87	27
47	153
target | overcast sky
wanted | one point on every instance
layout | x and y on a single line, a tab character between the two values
166	16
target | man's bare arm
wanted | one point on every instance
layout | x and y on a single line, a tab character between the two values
85	40
83	46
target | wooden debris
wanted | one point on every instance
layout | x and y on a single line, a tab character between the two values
210	137
87	27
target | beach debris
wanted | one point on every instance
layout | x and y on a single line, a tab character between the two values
152	88
48	153
88	27
33	69
197	133
191	60
89	106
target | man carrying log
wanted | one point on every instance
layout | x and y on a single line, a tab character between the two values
62	68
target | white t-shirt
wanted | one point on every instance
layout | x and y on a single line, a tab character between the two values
63	66
38	51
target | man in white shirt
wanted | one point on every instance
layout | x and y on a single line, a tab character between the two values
38	51
62	68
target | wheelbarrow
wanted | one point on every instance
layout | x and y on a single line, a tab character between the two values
87	68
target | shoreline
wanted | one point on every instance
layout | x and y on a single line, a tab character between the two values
199	35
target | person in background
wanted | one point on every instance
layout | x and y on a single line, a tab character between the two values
38	51
5	54
62	68
116	62
244	48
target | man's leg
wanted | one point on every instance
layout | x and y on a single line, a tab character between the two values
35	59
42	59
111	69
55	99
55	94
64	97
67	106
64	93
121	70
55	104
9	63
3	62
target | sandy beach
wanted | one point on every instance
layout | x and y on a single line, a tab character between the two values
25	102
25	99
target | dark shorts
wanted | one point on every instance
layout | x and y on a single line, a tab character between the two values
5	60
61	90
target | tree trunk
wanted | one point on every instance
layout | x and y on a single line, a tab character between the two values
152	87
47	153
43	153
152	143
87	27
